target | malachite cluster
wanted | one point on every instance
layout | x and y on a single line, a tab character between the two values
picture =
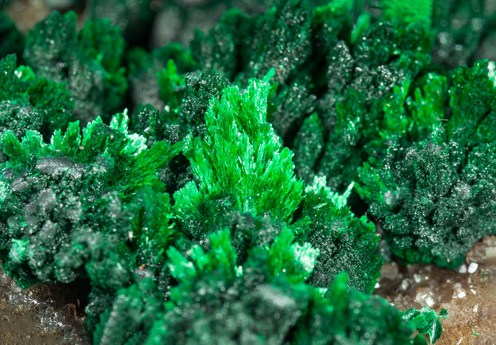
436	197
218	209
88	61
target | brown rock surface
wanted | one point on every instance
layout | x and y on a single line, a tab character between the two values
27	13
43	314
469	294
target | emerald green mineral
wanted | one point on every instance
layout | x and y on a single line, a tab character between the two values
207	193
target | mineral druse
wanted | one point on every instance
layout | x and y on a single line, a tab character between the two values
436	197
218	209
88	61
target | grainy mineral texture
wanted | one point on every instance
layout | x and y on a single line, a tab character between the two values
163	186
467	293
42	314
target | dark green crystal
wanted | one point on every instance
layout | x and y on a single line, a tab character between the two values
220	210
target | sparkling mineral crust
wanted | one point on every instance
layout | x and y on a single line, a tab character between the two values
293	172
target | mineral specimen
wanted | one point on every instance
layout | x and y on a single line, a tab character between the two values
88	61
31	103
220	209
435	198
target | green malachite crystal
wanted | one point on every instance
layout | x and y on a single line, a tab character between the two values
31	103
219	211
436	197
88	61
